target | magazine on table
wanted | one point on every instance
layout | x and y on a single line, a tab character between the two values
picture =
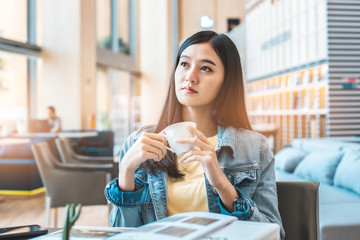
184	226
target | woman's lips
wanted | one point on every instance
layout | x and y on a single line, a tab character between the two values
189	89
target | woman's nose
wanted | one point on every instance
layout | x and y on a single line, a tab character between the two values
191	77
190	80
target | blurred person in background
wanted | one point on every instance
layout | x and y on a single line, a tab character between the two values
54	121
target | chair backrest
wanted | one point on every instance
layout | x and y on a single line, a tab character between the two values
299	209
64	150
45	160
68	184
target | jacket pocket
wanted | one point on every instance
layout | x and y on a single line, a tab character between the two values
246	180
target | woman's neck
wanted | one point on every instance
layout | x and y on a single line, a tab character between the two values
202	118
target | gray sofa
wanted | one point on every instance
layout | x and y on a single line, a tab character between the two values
336	165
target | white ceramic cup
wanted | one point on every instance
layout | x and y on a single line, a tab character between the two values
179	130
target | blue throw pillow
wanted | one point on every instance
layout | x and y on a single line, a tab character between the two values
319	166
347	174
288	158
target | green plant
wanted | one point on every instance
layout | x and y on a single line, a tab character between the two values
123	47
70	219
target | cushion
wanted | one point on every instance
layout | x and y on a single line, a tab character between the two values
331	194
348	173
288	158
340	221
318	144
319	166
286	176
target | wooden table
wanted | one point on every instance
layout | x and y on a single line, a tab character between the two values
74	134
10	141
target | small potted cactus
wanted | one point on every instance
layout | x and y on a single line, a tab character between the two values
70	219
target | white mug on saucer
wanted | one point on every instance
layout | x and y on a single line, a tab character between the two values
179	130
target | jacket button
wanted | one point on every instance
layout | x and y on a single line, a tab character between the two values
108	186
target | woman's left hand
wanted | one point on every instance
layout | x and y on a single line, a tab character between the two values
204	153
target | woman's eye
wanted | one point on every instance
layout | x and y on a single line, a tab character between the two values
206	69
183	64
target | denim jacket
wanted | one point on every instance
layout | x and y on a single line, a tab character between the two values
245	158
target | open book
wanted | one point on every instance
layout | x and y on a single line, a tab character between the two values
190	225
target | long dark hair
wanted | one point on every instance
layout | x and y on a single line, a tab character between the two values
229	106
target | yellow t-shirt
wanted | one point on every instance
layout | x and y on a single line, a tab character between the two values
189	193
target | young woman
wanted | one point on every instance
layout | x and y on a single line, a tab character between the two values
231	170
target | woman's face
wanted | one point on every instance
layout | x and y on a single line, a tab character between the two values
198	76
51	114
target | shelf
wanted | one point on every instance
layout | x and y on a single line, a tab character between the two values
262	93
303	100
289	112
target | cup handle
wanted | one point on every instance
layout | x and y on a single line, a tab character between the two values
167	146
169	149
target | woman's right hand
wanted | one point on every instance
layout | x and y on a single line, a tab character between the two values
147	146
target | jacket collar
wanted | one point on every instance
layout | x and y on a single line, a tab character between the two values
226	138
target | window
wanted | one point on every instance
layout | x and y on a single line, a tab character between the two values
123	26
117	94
17	64
112	94
13	24
103	23
13	92
112	23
